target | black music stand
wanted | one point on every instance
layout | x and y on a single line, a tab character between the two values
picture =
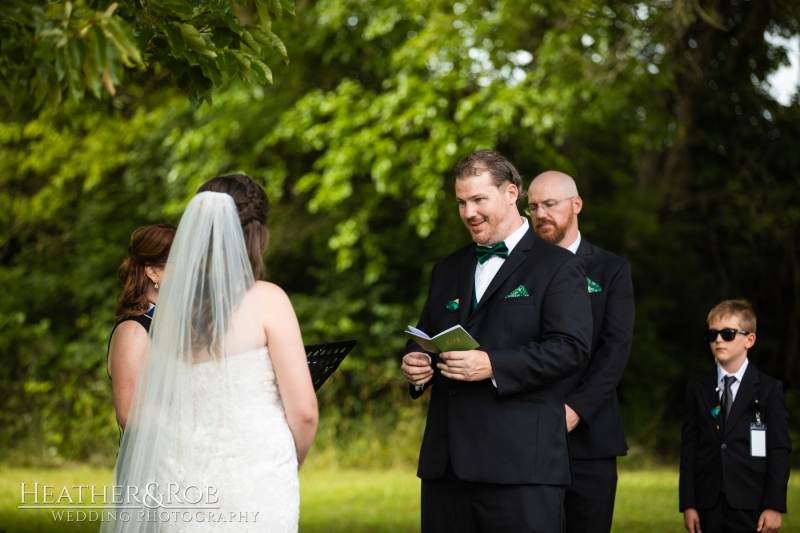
324	359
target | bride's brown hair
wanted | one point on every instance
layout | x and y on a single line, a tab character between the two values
253	207
149	247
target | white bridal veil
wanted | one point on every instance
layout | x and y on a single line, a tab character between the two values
166	464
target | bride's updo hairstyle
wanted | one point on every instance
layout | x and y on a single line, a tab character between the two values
149	247
253	206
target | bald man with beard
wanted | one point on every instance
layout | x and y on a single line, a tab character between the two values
594	424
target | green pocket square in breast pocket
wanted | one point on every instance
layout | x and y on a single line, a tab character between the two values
519	291
593	285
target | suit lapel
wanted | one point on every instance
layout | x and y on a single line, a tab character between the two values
747	390
466	284
514	260
585	252
710	396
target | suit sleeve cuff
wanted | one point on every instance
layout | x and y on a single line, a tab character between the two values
430	361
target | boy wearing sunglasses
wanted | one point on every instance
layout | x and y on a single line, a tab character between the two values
735	446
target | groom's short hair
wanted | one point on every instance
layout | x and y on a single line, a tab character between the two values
500	168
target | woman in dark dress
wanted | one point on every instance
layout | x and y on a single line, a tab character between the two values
140	274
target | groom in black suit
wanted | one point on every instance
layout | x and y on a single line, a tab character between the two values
596	437
494	455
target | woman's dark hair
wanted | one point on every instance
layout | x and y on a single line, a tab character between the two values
253	206
149	247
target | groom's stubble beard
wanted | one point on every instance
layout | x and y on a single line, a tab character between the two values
495	230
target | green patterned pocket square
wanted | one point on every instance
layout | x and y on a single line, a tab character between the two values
593	286
519	291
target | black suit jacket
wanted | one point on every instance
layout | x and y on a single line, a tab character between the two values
592	392
515	432
712	459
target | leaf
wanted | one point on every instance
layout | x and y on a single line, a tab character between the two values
115	67
210	71
251	42
195	40
227	65
53	93
191	57
180	6
59	63
75	48
121	37
75	85
244	63
142	36
195	99
276	7
99	44
91	71
184	81
263	14
42	83
108	83
200	83
192	35
262	38
222	37
233	23
110	11
177	66
175	38
279	47
288	6
262	71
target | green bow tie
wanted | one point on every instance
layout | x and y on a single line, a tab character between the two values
484	252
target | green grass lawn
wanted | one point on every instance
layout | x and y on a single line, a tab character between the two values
371	500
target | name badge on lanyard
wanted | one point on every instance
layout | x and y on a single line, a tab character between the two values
758	438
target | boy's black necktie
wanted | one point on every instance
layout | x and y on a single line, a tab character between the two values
727	398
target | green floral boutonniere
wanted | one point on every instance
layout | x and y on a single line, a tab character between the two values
452	306
715	411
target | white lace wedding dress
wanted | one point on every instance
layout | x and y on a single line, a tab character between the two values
241	447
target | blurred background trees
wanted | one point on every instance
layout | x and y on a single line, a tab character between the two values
661	111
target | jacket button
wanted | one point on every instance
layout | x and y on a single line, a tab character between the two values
452	393
724	446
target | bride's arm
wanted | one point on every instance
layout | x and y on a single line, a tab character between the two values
288	356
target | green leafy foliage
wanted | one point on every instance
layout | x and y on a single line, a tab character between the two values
55	49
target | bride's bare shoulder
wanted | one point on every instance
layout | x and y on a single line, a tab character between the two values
269	292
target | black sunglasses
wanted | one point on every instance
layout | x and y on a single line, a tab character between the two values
728	334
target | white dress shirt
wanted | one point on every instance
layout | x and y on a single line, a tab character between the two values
484	273
735	385
575	245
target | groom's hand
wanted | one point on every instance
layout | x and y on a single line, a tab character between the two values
417	368
469	365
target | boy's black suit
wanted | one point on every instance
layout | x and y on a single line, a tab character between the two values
719	460
514	433
592	393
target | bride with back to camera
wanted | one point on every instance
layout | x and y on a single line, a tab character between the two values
224	410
